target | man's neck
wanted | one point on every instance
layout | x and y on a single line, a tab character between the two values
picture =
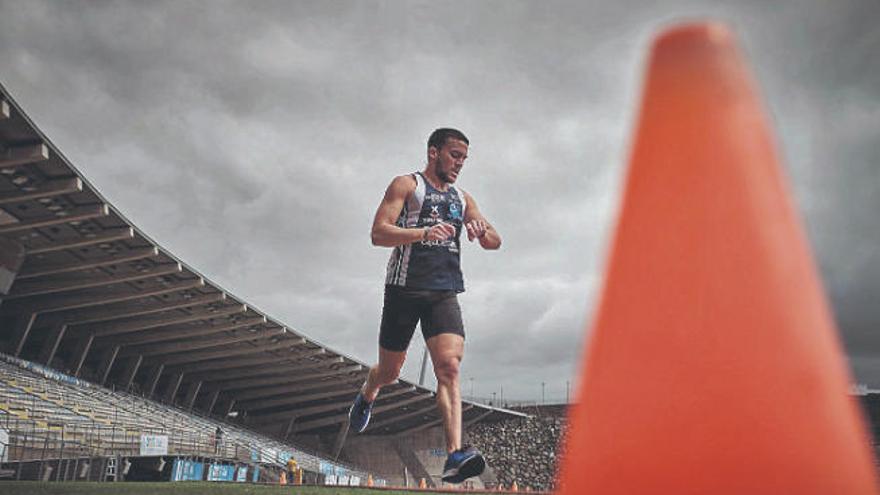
434	180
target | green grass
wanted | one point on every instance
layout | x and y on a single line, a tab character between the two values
180	488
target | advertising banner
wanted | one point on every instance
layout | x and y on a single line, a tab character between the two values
4	445
187	470
154	444
241	474
221	472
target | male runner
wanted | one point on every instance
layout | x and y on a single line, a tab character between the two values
422	216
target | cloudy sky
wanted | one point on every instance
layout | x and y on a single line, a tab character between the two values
254	141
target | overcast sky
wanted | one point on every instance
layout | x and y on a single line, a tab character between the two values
254	140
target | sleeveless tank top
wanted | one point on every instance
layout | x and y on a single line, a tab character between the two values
433	265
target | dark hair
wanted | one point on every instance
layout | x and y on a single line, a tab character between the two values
440	136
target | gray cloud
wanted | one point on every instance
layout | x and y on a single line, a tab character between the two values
254	141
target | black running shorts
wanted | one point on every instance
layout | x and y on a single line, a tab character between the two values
438	310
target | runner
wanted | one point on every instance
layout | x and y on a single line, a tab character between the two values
422	217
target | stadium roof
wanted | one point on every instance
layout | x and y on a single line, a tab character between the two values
98	299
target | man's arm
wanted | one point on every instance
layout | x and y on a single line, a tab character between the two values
478	227
385	231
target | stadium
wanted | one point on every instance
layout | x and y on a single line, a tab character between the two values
124	369
122	363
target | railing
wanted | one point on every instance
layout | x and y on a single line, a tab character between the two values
189	433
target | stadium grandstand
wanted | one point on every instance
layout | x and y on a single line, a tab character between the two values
122	362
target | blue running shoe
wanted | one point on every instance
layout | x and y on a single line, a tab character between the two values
359	414
462	464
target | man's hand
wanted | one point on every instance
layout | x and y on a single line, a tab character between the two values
440	232
476	229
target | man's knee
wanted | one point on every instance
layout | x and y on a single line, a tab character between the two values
446	369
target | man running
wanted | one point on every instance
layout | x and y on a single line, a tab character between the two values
422	217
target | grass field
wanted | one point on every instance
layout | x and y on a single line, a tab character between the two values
182	488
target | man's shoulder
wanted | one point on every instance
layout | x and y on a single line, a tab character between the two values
404	183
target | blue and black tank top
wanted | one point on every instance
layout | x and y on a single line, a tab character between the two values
433	265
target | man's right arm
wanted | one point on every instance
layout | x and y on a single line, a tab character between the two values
385	231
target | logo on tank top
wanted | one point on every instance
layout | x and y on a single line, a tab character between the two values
454	211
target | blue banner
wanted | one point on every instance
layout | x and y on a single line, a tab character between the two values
241	474
221	472
187	470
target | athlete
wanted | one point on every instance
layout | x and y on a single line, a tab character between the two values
422	217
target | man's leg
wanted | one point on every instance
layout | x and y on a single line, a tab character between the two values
447	350
399	318
385	372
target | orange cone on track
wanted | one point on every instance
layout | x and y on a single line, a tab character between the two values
713	365
422	483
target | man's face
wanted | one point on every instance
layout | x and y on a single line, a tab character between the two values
449	159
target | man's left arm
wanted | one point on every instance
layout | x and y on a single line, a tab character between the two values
478	227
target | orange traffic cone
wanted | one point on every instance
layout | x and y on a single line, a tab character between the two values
713	365
423	483
369	480
514	487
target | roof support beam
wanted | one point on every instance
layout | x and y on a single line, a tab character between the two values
204	356
75	215
130	371
53	340
191	394
80	351
108	236
4	110
173	387
153	379
196	344
104	313
295	397
279	366
52	188
175	332
23	324
30	270
107	363
285	378
257	393
430	424
289	429
224	364
91	298
212	402
374	425
340	439
38	287
141	324
227	408
23	155
322	408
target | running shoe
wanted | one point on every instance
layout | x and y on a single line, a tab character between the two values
359	414
462	464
